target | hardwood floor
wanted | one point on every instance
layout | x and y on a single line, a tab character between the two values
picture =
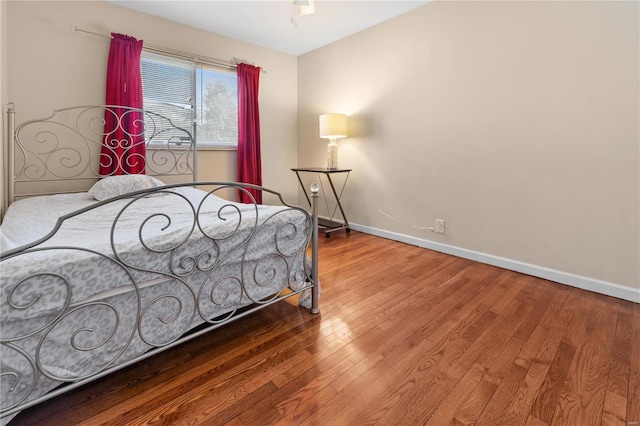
406	336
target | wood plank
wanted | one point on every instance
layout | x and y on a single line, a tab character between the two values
475	403
601	332
544	405
566	409
446	411
534	421
633	395
521	405
496	411
622	347
615	410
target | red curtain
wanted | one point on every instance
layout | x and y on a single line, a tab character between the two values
123	148
249	162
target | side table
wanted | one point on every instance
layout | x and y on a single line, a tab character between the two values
328	225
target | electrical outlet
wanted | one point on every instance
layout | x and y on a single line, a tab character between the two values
440	226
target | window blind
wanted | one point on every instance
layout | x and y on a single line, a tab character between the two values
185	91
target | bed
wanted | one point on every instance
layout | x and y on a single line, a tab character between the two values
95	280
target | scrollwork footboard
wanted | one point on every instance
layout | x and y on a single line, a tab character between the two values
126	278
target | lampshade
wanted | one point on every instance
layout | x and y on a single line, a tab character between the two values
333	126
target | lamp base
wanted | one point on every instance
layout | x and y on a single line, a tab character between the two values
332	155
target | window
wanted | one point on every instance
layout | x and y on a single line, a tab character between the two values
185	91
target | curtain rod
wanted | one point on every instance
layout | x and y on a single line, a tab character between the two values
180	55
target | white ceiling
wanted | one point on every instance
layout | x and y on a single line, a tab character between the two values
275	23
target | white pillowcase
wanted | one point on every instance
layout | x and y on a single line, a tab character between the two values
113	186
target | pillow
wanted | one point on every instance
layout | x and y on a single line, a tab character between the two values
113	186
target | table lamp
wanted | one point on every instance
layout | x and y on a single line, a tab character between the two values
332	127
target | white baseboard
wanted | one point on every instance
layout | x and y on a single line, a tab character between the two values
585	283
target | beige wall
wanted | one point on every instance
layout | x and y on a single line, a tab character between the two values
516	122
51	66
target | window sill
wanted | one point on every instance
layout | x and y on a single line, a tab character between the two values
199	148
216	148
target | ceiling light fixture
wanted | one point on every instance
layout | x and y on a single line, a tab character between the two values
305	7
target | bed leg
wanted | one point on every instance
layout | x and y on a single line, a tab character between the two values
10	165
314	249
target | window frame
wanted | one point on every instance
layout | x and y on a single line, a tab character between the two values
197	68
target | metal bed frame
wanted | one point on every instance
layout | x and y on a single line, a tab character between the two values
66	146
69	149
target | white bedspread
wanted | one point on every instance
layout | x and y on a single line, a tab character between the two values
32	218
160	221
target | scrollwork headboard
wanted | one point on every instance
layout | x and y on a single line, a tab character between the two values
62	152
